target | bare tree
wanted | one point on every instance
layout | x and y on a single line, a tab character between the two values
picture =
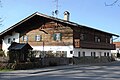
113	3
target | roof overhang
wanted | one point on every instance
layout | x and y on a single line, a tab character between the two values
12	28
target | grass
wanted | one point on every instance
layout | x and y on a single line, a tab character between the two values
6	70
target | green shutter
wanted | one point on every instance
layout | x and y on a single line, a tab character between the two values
54	37
60	36
40	37
35	38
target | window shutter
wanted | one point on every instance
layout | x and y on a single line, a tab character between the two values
40	37
54	36
60	36
35	38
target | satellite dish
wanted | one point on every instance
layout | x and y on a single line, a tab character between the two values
56	12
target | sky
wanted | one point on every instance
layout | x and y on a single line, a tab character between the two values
92	13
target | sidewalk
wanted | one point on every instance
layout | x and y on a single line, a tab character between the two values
55	68
48	69
74	66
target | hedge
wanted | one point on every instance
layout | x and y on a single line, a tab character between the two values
20	66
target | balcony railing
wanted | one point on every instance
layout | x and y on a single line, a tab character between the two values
93	45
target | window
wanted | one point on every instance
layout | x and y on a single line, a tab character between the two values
57	36
71	52
93	54
38	38
82	36
107	39
107	53
25	38
79	54
97	39
13	40
9	40
104	53
83	54
77	43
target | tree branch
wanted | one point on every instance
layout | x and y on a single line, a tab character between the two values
112	4
0	3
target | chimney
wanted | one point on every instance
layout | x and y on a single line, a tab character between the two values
66	15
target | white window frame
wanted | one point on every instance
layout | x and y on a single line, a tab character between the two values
25	38
38	38
58	36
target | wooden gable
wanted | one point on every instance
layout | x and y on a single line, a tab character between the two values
47	30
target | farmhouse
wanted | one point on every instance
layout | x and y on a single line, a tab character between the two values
47	33
116	52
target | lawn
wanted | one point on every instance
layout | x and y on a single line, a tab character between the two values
6	70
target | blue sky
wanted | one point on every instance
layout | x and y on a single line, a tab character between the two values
92	13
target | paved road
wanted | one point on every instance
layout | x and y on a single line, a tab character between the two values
95	72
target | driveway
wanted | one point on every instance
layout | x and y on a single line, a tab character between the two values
110	71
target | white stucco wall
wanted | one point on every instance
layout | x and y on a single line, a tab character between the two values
114	52
70	48
55	48
5	43
88	52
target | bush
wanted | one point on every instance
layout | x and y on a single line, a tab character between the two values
2	53
5	66
27	65
20	66
53	63
50	55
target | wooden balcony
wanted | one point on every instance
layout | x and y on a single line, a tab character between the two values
93	45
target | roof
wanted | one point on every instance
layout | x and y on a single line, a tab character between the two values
19	46
52	18
117	44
